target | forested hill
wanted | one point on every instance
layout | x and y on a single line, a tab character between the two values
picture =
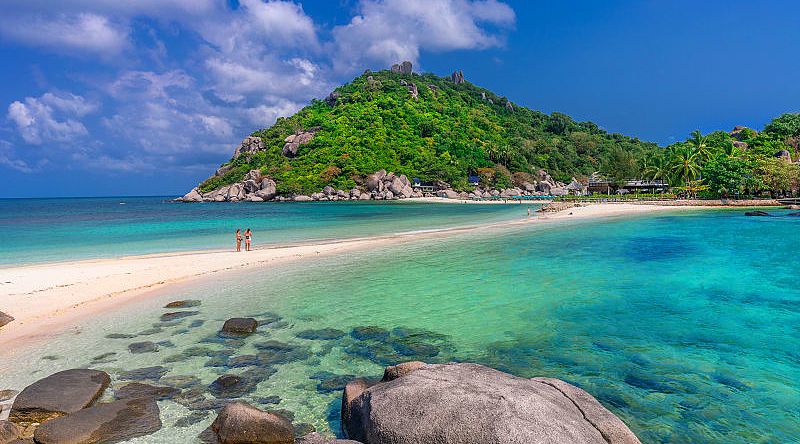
424	126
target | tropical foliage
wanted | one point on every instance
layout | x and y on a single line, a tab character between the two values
449	132
453	130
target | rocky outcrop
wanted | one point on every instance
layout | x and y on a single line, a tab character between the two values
5	319
457	77
249	146
470	403
294	141
332	98
509	106
192	196
241	423
402	68
784	155
412	89
104	423
59	394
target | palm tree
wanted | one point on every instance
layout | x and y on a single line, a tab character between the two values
658	169
684	163
699	145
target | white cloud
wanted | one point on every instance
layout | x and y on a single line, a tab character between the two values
394	30
83	31
50	118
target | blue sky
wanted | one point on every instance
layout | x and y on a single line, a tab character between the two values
101	97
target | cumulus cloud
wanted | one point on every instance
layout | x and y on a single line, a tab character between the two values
53	117
236	70
393	30
83	32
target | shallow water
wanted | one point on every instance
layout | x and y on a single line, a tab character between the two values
41	230
684	324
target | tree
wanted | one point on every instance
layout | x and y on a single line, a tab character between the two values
699	146
777	176
783	126
726	176
683	163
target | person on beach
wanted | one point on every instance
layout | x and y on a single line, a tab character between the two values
247	235
238	239
529	211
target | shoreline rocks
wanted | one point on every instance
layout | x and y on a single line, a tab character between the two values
59	394
5	319
380	185
460	403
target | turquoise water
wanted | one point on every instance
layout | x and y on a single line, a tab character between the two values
683	324
41	230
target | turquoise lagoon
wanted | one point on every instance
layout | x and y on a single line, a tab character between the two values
685	324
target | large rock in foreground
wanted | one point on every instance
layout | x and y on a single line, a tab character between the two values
470	403
59	394
241	423
113	422
5	319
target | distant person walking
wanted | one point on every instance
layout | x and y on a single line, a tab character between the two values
247	235
238	239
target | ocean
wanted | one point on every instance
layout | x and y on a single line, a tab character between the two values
684	324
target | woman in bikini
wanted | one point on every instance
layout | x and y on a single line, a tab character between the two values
239	239
247	235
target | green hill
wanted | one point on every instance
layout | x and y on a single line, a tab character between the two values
428	127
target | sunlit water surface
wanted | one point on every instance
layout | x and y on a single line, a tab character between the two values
683	324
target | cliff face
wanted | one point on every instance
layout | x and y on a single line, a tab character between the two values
421	126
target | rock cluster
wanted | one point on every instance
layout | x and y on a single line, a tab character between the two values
248	146
402	68
378	186
253	188
62	408
784	155
457	77
464	403
294	141
412	89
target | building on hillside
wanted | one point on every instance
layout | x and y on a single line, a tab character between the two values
597	184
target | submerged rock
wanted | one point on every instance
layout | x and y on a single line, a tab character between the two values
756	213
103	423
142	374
316	438
143	347
464	403
240	422
275	352
59	394
192	419
322	334
139	390
119	336
167	317
370	332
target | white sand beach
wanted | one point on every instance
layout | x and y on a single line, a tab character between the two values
46	298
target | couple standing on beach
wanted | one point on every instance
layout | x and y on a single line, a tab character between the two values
247	235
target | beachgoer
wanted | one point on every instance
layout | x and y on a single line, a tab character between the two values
238	239
529	211
247	235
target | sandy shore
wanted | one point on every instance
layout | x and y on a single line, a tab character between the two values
46	298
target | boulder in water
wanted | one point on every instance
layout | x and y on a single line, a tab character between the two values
113	422
59	394
757	213
240	326
463	403
240	423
